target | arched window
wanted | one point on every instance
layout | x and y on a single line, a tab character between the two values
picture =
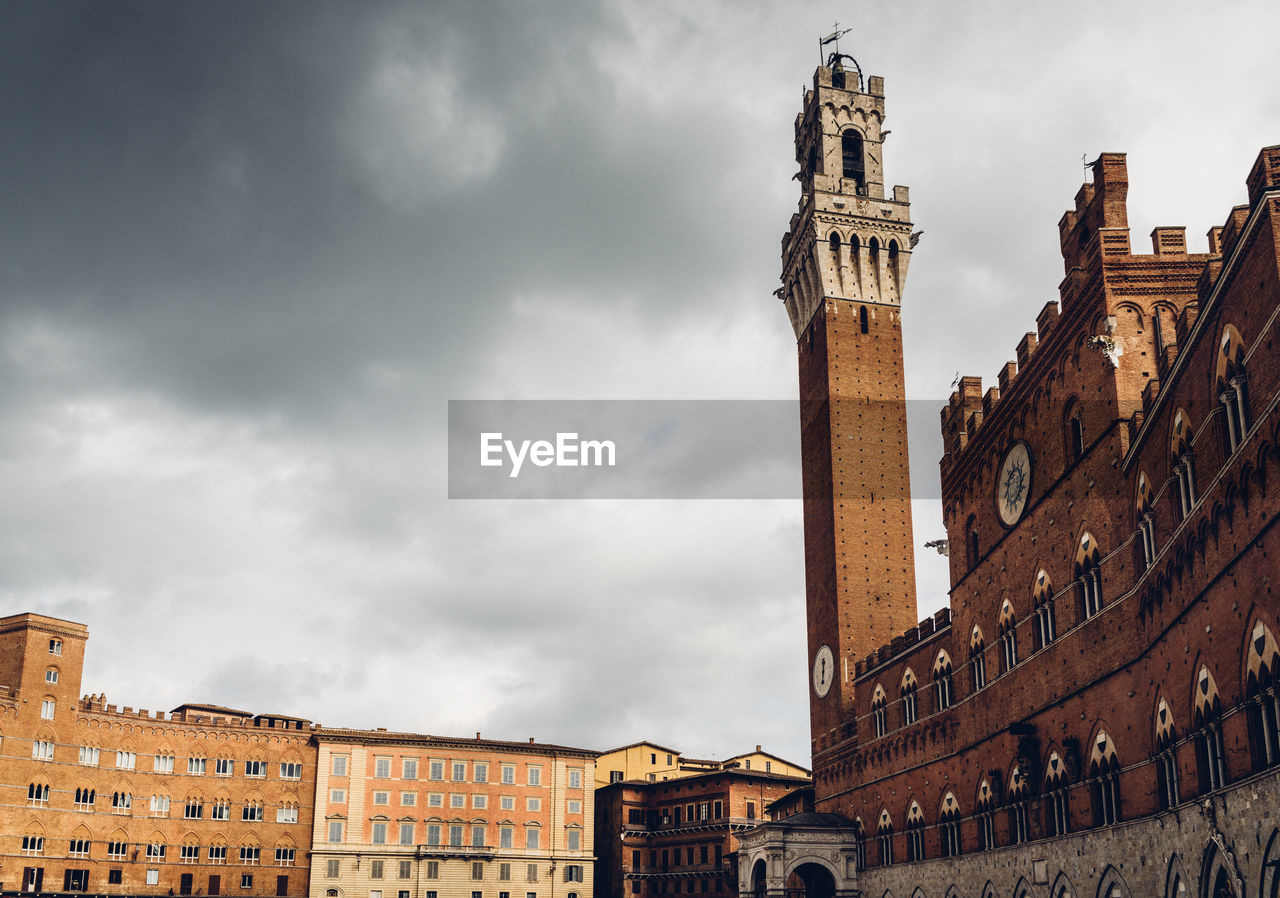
852	157
1166	757
949	826
38	795
1232	388
1146	520
1183	464
971	541
1262	697
1046	625
942	681
863	324
878	703
834	242
986	817
1057	805
884	836
84	798
908	690
915	833
1104	774
1088	576
1073	425
977	659
1019	799
859	844
1211	757
1008	637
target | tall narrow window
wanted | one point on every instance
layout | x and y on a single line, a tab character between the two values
862	319
1211	763
1057	806
878	713
1146	521
915	833
1008	637
942	681
1166	758
909	686
1019	799
1046	626
977	660
971	541
884	836
1262	698
859	845
949	826
852	157
1104	774
1075	437
1088	576
1183	464
1232	388
986	817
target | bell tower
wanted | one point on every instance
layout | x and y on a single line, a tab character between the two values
844	263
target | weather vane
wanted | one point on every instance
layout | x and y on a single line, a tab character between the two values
836	55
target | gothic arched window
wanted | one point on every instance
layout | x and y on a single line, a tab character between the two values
851	154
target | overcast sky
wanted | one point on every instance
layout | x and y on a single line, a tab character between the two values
249	252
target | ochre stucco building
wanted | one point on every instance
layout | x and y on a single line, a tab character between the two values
1096	713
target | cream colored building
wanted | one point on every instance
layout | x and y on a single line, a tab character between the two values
653	763
400	815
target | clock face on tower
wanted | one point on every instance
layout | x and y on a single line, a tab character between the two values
824	669
1014	483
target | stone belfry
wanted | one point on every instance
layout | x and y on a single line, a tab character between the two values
844	265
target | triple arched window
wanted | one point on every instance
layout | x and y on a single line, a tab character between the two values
977	659
909	687
1008	628
1182	463
1089	576
1057	803
942	681
1166	757
1211	756
1232	385
1146	520
1104	774
1262	695
1045	630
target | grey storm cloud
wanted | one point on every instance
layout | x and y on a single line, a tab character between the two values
249	252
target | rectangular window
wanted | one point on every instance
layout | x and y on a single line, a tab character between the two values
220	809
477	836
251	812
159	805
155	852
337	796
79	848
573	873
55	646
126	760
339	765
332	868
382	768
46	709
433	872
481	772
532	839
223	767
535	776
575	806
480	802
375	870
504	875
531	874
285	857
615	776
290	771
435	799
433	834
89	756
163	764
153	877
533	804
718	810
436	770
455	836
457	800
575	779
477	869
379	833
250	855
335	830
507	802
506	837
189	854
406	833
217	855
508	774
287	813
409	769
406	869
246	880
381	797
408	799
116	850
196	766
573	839
459	771
256	769
751	810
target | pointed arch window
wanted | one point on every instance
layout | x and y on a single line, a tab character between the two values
853	159
977	659
1262	698
1232	388
986	817
1008	637
1146	520
915	833
1166	757
1019	801
1211	756
1057	805
84	798
878	713
1183	464
949	826
859	844
1104	774
1089	576
863	323
884	836
1074	431
1046	625
942	681
38	795
909	687
971	541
